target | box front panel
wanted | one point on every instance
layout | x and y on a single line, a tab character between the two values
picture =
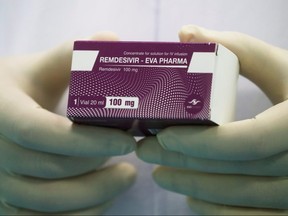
140	80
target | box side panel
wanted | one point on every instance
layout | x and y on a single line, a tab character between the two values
224	86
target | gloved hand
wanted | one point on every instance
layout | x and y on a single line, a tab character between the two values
47	163
240	167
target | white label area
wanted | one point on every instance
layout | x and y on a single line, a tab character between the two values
202	62
83	60
122	102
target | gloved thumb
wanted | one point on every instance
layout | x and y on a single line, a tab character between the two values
262	63
49	72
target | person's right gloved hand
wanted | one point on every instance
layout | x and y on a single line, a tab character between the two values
239	168
47	163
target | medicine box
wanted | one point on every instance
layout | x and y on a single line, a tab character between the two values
147	86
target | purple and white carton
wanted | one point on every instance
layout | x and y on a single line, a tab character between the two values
147	86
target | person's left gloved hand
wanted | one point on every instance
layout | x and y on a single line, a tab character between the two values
48	165
236	168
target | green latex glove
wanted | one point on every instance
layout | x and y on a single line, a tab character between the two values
47	163
240	167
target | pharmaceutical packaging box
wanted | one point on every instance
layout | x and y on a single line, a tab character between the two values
144	87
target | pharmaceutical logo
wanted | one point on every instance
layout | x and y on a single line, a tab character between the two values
194	104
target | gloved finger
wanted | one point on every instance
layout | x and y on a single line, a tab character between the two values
151	151
27	162
39	129
232	190
11	210
207	208
261	137
260	62
70	194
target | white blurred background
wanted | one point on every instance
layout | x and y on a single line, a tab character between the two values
34	25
